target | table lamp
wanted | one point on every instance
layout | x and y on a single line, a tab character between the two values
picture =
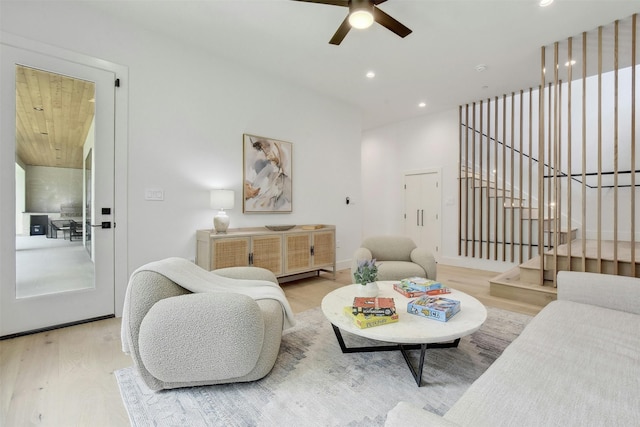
221	199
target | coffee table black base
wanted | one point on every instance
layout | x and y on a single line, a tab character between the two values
415	371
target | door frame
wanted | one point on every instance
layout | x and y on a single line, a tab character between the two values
120	208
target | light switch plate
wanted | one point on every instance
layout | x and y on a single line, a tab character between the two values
155	194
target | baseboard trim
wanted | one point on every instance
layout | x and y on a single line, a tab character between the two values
50	328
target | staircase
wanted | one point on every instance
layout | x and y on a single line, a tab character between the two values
521	283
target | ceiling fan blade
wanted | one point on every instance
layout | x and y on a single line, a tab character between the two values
344	3
342	32
390	23
376	2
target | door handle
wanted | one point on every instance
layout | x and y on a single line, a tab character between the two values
418	217
422	211
104	224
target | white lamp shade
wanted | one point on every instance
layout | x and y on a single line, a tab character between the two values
222	199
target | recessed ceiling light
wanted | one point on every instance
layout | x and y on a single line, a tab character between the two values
422	104
370	74
545	3
573	62
481	67
38	108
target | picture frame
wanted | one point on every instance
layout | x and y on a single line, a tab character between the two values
267	175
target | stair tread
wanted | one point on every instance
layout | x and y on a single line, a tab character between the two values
512	278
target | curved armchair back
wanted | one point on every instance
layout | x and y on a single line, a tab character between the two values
389	248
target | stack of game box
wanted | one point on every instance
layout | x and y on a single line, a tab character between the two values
437	308
367	312
421	284
411	292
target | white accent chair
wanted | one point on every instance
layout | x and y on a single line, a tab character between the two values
181	339
397	257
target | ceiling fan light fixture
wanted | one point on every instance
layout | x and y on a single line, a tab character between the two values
361	19
361	14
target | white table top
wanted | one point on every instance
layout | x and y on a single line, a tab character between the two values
410	329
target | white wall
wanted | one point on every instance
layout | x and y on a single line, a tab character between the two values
426	142
49	187
187	113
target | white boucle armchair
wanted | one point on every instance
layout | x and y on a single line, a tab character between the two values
397	258
177	338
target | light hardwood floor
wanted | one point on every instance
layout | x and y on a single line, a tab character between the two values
65	377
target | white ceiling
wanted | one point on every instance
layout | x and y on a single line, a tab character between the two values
435	64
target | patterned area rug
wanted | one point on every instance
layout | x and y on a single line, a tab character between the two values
314	384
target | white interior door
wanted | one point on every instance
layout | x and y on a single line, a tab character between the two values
46	304
422	209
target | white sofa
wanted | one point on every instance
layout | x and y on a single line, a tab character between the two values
577	363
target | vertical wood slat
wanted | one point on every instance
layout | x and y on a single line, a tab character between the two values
615	149
473	181
549	166
504	176
511	176
488	178
633	144
541	166
584	151
460	180
520	198
480	196
555	131
495	178
530	151
569	151
599	203
466	181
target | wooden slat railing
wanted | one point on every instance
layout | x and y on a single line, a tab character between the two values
527	158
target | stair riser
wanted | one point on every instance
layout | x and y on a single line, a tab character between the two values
607	266
532	275
521	295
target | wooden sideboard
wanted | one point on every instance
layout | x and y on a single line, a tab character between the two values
285	253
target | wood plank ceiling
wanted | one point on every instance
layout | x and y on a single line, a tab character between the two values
53	117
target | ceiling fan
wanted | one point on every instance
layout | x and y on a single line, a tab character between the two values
362	13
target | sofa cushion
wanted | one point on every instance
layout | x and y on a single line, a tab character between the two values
393	270
187	338
574	364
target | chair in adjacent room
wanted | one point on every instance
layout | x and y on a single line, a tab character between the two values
75	230
219	333
397	258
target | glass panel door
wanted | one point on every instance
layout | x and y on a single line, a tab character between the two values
59	146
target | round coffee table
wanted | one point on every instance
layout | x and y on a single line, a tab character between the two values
411	331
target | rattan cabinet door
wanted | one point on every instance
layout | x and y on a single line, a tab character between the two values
298	252
324	248
267	252
230	252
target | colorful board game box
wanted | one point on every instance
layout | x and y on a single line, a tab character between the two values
437	308
364	321
421	284
379	306
412	293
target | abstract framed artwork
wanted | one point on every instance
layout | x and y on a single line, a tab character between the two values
267	165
